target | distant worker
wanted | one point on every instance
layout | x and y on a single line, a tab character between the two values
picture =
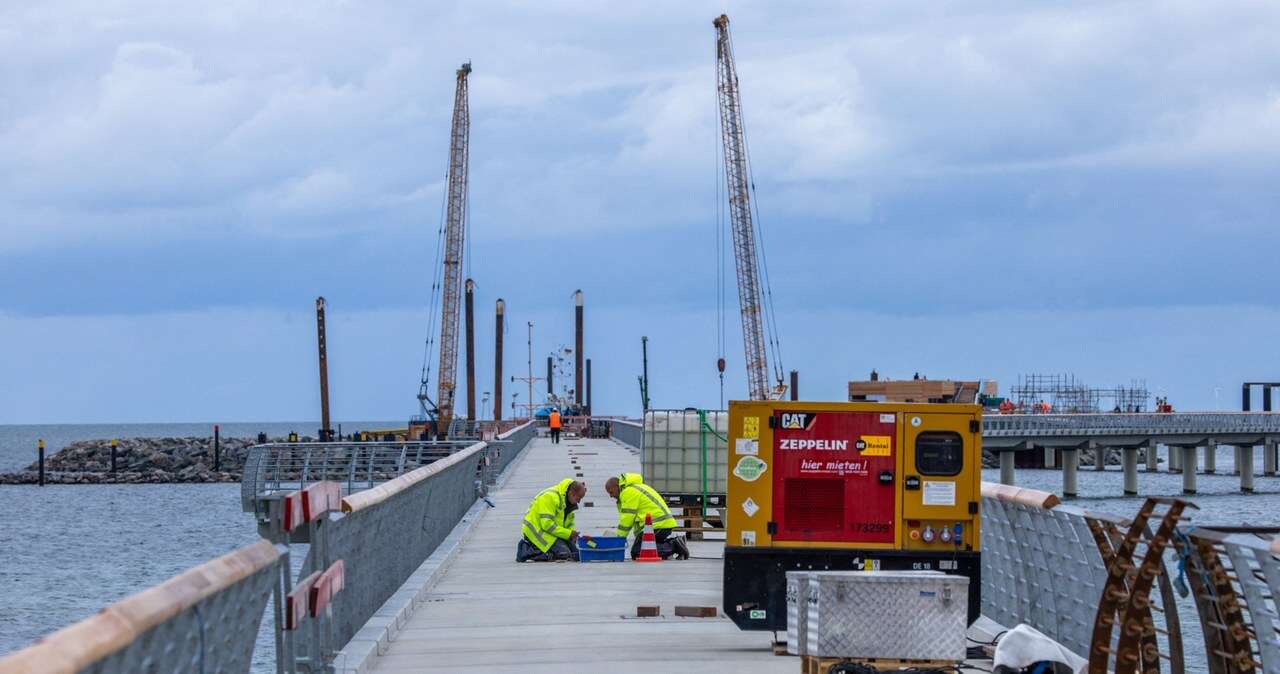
547	533
636	500
553	422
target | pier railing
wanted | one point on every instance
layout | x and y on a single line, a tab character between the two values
1175	423
281	467
629	433
1096	583
203	620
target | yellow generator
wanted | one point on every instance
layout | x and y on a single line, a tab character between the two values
847	486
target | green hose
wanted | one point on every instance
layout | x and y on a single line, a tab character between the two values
703	428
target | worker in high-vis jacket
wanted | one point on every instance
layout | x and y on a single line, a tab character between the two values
553	423
637	500
547	533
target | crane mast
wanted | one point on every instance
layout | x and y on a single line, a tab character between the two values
454	233
744	241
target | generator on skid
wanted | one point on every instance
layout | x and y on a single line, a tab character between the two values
817	486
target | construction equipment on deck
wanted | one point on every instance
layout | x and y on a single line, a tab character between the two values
753	297
451	273
847	486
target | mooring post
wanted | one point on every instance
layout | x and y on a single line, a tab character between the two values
114	444
1153	456
1189	469
1246	468
1129	457
1006	468
217	449
1269	457
40	459
1070	464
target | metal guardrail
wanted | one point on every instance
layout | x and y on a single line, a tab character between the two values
281	467
1234	577
1174	423
1071	574
203	620
385	533
628	433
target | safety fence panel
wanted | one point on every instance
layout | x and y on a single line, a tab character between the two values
203	620
385	533
628	433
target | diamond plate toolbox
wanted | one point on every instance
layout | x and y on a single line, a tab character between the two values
797	597
912	615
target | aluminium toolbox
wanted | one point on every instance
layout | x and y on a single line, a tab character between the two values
907	615
797	607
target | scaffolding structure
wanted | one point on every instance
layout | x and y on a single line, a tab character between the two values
1065	394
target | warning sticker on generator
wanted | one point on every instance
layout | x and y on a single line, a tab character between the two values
939	493
751	427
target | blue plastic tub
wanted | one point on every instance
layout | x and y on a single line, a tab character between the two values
608	549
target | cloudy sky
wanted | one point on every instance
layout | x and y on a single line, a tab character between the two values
965	189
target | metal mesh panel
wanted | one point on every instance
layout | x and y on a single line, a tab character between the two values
383	545
215	635
1041	567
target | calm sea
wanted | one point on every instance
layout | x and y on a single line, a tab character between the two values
67	550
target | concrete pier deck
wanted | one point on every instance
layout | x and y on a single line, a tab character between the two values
488	613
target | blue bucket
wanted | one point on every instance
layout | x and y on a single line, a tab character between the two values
608	549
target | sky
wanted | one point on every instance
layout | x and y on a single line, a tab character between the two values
978	189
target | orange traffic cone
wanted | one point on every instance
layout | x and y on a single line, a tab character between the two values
648	544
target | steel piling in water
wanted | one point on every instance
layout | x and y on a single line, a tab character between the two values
469	318
217	450
500	308
114	444
40	459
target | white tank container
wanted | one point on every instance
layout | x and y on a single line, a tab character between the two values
673	460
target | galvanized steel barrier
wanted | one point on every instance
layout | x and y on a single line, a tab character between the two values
628	433
386	532
281	467
1070	573
203	620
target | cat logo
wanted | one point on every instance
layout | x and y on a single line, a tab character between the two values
798	421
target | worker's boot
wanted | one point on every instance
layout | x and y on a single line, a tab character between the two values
681	549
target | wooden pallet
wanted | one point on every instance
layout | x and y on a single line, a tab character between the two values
814	665
694	524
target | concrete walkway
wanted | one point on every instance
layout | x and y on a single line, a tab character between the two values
488	613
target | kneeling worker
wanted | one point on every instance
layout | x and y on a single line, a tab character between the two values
637	499
547	530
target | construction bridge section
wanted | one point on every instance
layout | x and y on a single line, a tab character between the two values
377	591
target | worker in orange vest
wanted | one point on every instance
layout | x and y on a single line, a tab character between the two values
553	422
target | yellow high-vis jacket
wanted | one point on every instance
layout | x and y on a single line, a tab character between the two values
546	520
637	499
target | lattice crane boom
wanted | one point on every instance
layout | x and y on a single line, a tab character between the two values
737	181
454	233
